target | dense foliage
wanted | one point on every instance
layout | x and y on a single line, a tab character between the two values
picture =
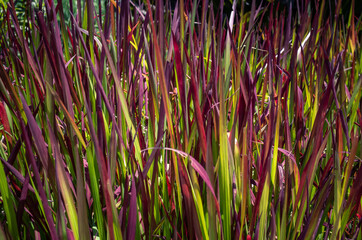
142	120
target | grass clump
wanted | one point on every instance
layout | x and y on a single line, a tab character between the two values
145	120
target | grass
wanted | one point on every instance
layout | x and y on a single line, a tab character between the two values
150	121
